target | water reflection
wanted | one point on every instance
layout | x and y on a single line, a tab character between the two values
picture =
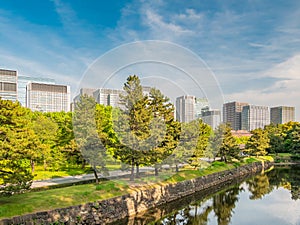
271	198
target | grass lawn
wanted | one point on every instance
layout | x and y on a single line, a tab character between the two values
62	197
58	198
41	174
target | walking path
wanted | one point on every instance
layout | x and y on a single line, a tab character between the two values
84	177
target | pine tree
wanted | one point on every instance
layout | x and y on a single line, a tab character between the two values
87	137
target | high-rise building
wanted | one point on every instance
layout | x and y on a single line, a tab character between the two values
48	97
8	84
212	118
185	108
22	84
254	117
232	112
107	96
282	114
201	105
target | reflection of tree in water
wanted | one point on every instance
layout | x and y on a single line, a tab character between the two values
259	186
287	177
224	203
294	178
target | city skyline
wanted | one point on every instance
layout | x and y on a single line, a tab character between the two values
252	47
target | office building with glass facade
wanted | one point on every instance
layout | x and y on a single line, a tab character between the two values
23	81
282	114
48	97
254	117
8	84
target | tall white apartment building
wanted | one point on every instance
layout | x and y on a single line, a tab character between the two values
48	97
254	117
185	108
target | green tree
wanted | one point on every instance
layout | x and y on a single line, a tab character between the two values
87	137
132	125
164	129
17	144
292	139
258	143
276	137
46	130
229	148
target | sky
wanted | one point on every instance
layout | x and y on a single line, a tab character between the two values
251	47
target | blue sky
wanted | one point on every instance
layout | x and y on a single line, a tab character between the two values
252	46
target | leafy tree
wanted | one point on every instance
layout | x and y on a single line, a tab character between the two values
229	148
45	129
132	125
276	137
164	129
258	143
292	139
17	144
87	136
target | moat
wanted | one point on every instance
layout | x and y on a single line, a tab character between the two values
269	198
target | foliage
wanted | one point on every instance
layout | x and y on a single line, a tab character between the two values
87	136
17	144
228	147
258	143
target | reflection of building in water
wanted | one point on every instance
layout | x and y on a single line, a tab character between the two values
8	84
48	97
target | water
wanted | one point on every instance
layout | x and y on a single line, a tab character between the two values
271	198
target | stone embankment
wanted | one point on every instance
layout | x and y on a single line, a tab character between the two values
110	210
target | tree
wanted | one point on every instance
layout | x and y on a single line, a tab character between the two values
164	129
87	137
276	138
292	139
17	144
45	129
132	125
202	142
229	149
258	143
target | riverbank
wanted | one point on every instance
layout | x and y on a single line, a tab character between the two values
139	200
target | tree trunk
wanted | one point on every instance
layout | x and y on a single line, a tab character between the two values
137	171
95	174
132	171
32	166
156	170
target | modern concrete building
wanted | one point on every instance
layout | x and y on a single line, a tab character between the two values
23	81
107	96
201	105
8	84
282	114
48	97
185	108
254	117
212	118
232	112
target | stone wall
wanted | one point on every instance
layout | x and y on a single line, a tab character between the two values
110	210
